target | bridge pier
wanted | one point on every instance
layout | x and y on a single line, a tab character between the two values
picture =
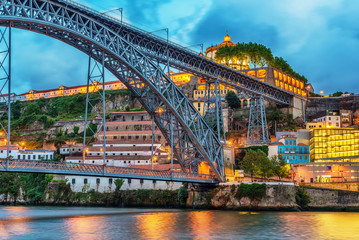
5	82
212	109
96	86
257	128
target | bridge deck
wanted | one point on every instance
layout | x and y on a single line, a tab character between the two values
101	171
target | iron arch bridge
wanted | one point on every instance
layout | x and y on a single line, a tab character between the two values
48	167
136	58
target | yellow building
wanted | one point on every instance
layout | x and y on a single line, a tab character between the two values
334	144
68	91
310	125
181	78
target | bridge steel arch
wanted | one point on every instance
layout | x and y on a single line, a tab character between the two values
194	141
184	59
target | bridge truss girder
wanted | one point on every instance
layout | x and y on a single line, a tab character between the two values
257	127
182	58
193	139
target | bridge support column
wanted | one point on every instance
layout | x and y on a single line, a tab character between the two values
212	109
95	103
5	84
257	128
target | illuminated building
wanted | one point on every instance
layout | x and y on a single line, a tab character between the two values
181	78
330	118
310	125
234	63
334	144
279	79
334	155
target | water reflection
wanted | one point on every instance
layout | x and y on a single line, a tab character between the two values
337	225
86	227
155	225
56	223
202	224
13	222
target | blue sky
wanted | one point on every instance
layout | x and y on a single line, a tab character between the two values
319	39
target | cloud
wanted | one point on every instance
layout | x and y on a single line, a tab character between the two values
320	39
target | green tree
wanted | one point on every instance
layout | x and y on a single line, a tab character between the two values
302	198
76	129
91	130
182	196
336	94
280	166
16	110
263	148
265	166
250	163
10	185
53	111
233	100
32	109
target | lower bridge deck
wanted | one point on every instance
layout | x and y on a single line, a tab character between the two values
61	168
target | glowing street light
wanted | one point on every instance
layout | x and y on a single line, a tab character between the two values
321	93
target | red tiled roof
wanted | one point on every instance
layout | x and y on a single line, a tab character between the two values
129	122
302	144
137	112
137	148
276	144
116	158
133	142
161	167
130	132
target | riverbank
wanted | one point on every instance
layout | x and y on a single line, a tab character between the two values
244	197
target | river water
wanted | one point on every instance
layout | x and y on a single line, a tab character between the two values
131	223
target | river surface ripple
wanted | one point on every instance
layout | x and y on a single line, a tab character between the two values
132	223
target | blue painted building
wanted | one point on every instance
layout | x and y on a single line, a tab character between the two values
292	152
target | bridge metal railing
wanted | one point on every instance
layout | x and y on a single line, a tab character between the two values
62	168
98	13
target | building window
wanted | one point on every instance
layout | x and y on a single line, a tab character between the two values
153	181
129	181
141	181
28	157
110	181
97	181
85	180
34	157
73	181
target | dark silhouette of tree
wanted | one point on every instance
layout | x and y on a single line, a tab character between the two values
233	100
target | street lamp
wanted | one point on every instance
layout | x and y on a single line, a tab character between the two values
84	154
321	93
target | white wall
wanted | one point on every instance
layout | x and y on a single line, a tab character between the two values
105	186
272	150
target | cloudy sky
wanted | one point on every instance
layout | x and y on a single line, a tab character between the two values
319	39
